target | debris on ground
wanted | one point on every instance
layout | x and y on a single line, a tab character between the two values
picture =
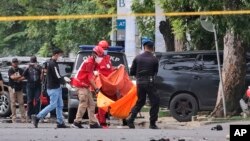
162	139
217	127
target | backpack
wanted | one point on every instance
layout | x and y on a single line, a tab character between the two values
34	74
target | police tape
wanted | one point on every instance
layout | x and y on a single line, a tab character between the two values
96	16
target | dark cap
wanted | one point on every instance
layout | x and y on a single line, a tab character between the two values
33	59
148	42
14	60
57	51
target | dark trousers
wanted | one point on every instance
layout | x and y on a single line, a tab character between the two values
142	91
33	98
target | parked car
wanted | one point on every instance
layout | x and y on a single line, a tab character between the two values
117	57
188	82
65	68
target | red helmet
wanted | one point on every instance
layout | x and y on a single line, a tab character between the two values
98	50
248	92
104	44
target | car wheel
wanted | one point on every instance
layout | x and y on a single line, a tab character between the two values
183	107
5	109
72	115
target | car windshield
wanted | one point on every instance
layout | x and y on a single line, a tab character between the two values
116	59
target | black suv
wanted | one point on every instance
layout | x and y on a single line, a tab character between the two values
188	82
65	68
117	57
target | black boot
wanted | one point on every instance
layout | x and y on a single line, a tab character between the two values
124	122
130	120
35	120
153	125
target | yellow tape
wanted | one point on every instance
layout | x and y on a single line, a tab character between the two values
95	16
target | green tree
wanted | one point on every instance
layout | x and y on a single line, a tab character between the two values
232	29
71	33
31	37
146	25
12	33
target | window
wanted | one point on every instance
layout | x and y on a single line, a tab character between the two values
208	61
178	62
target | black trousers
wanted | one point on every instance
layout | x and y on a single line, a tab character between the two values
142	91
33	98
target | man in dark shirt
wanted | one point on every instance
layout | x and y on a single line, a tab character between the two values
33	75
54	91
145	67
15	89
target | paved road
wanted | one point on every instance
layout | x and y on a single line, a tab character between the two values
192	131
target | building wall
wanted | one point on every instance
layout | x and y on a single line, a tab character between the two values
159	41
124	8
130	34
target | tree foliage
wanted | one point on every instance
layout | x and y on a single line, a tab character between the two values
202	39
232	30
38	37
146	25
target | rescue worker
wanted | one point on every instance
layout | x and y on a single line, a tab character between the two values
104	67
84	80
144	68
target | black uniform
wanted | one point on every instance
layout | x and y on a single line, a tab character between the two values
145	67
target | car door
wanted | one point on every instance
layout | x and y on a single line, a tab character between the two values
205	80
173	75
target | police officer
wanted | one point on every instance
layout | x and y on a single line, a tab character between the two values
144	68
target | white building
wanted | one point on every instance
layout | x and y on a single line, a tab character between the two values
127	30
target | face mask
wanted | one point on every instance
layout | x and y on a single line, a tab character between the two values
98	59
105	52
60	58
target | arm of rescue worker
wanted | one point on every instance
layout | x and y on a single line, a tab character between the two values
92	82
116	68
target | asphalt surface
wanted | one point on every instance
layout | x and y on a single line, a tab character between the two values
170	129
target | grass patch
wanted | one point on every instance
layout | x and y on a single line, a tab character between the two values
233	118
162	112
145	109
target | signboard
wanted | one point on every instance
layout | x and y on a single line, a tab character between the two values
121	24
121	3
